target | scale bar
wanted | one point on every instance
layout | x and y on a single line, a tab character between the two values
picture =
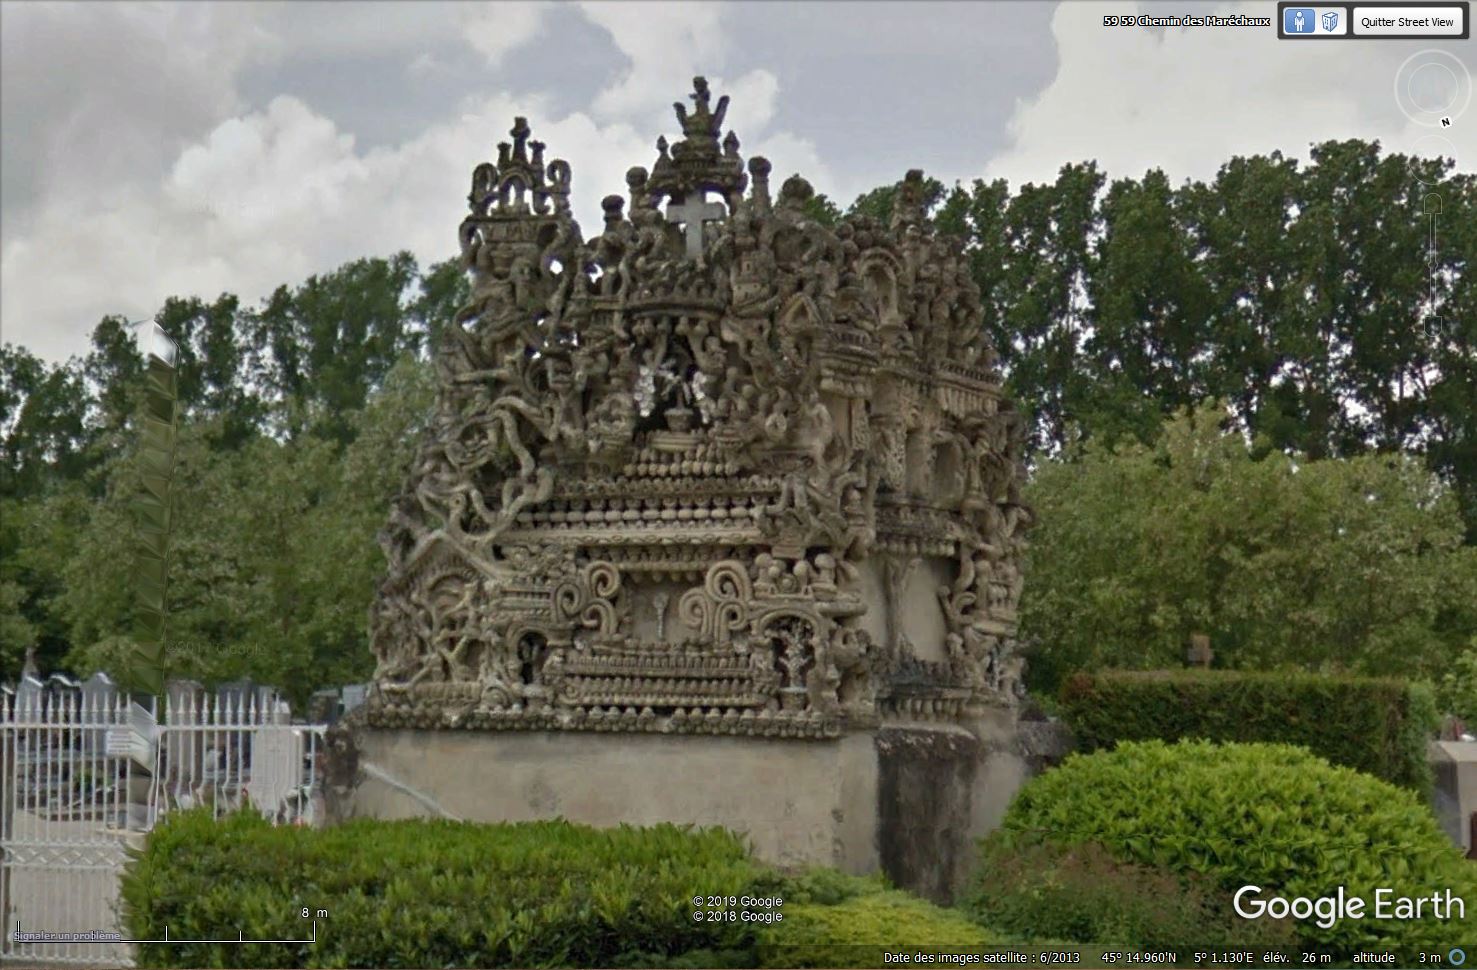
313	938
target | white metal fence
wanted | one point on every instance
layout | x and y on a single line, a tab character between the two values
83	776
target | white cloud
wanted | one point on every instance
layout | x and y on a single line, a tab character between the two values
495	29
667	44
1187	100
98	94
271	197
752	100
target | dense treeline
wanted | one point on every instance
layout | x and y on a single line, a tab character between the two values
1309	298
298	417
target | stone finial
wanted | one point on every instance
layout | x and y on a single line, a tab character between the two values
636	181
697	163
612	206
795	193
759	169
517	183
701	123
520	132
29	668
908	208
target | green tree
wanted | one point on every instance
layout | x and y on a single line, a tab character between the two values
212	366
1335	564
444	289
43	433
823	210
878	203
1149	309
323	347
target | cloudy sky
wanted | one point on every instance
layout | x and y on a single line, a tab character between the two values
152	150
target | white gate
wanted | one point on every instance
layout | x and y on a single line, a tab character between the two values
84	776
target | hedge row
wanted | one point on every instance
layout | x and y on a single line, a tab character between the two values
1381	727
540	894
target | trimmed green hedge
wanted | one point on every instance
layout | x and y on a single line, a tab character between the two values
540	894
1378	726
855	933
1271	816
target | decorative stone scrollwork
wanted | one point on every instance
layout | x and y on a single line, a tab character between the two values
720	404
587	600
720	607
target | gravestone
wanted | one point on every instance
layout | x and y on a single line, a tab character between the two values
718	521
98	691
29	692
99	700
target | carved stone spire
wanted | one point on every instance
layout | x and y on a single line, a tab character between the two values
702	124
699	163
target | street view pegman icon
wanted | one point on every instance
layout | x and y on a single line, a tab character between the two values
1298	20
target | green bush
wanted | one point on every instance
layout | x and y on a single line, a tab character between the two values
1381	727
541	894
430	893
825	887
856	932
1081	894
1272	816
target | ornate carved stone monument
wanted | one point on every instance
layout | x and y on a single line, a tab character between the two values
720	470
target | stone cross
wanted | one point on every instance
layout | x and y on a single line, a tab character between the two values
692	212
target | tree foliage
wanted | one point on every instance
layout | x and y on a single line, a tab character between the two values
298	419
1327	565
1311	297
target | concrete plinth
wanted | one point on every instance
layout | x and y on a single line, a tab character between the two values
1455	764
906	799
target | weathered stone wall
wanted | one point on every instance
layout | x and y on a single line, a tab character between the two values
798	803
908	800
925	806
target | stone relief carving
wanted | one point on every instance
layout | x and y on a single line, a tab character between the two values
663	459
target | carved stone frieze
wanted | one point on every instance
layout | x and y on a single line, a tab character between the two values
719	469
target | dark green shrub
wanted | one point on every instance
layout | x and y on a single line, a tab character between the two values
1080	893
426	893
539	894
1272	816
1381	727
825	887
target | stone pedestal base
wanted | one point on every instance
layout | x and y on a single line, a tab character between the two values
1455	764
908	799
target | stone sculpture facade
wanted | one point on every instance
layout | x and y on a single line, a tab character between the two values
720	469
